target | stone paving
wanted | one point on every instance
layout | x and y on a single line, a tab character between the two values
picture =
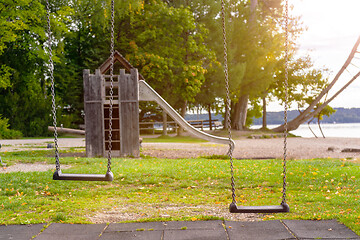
197	230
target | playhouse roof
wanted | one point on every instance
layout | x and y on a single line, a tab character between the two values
117	58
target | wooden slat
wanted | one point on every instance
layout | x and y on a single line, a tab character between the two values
129	113
94	114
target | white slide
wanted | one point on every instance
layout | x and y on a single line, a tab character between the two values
147	93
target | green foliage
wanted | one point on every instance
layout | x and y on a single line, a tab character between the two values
327	111
5	132
253	112
171	59
304	82
5	73
23	83
176	45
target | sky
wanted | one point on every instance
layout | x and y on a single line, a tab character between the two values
333	26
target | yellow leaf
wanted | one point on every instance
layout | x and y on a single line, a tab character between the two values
24	203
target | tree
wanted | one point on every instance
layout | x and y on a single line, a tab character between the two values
172	59
311	111
304	82
255	46
212	92
86	46
23	92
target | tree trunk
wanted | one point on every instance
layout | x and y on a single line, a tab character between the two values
182	113
311	129
322	106
318	121
67	130
240	113
264	120
253	8
295	124
164	123
307	114
210	120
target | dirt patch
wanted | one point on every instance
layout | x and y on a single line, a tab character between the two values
29	167
140	211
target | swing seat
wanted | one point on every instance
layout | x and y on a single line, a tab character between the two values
283	207
58	175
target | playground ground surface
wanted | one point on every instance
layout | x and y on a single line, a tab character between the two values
216	229
197	230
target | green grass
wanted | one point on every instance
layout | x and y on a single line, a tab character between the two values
175	139
317	189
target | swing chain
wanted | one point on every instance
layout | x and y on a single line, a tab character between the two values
111	85
286	97
227	104
51	69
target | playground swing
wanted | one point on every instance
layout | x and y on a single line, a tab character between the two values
58	175
234	208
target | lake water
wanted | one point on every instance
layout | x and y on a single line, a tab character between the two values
346	130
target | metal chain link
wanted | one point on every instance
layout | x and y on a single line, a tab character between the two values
51	69
227	105
286	97
111	85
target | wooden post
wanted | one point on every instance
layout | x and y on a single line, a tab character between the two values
129	113
264	120
210	120
164	123
94	114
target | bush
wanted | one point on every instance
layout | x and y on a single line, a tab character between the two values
5	132
37	127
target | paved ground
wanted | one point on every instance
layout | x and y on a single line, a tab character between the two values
198	230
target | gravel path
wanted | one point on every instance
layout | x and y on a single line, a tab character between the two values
298	148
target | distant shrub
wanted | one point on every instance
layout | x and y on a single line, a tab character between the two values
5	132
